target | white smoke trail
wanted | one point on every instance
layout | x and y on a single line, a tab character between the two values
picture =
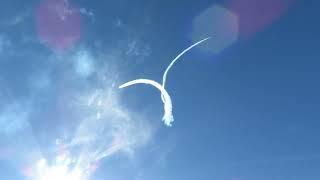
168	117
166	99
164	77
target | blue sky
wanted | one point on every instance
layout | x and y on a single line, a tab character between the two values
245	102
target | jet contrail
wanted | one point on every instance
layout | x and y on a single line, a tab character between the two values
167	117
164	77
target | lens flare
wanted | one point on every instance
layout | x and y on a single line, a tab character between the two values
58	23
218	22
256	15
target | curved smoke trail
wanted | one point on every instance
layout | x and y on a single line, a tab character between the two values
164	77
167	117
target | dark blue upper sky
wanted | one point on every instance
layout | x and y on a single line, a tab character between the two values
245	102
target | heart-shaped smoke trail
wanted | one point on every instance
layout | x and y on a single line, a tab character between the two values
166	99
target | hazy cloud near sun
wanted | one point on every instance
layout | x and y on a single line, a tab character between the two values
92	113
71	98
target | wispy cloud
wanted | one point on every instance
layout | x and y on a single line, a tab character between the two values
83	63
87	13
80	89
5	43
14	118
136	49
97	123
17	19
108	127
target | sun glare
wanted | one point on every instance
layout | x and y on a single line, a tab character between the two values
61	172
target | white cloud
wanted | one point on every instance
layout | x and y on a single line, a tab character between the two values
107	127
19	18
16	19
83	63
136	49
87	13
118	23
102	127
14	118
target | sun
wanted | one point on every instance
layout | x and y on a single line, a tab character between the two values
57	171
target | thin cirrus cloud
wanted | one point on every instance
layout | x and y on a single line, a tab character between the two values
61	113
14	118
105	126
96	123
83	63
